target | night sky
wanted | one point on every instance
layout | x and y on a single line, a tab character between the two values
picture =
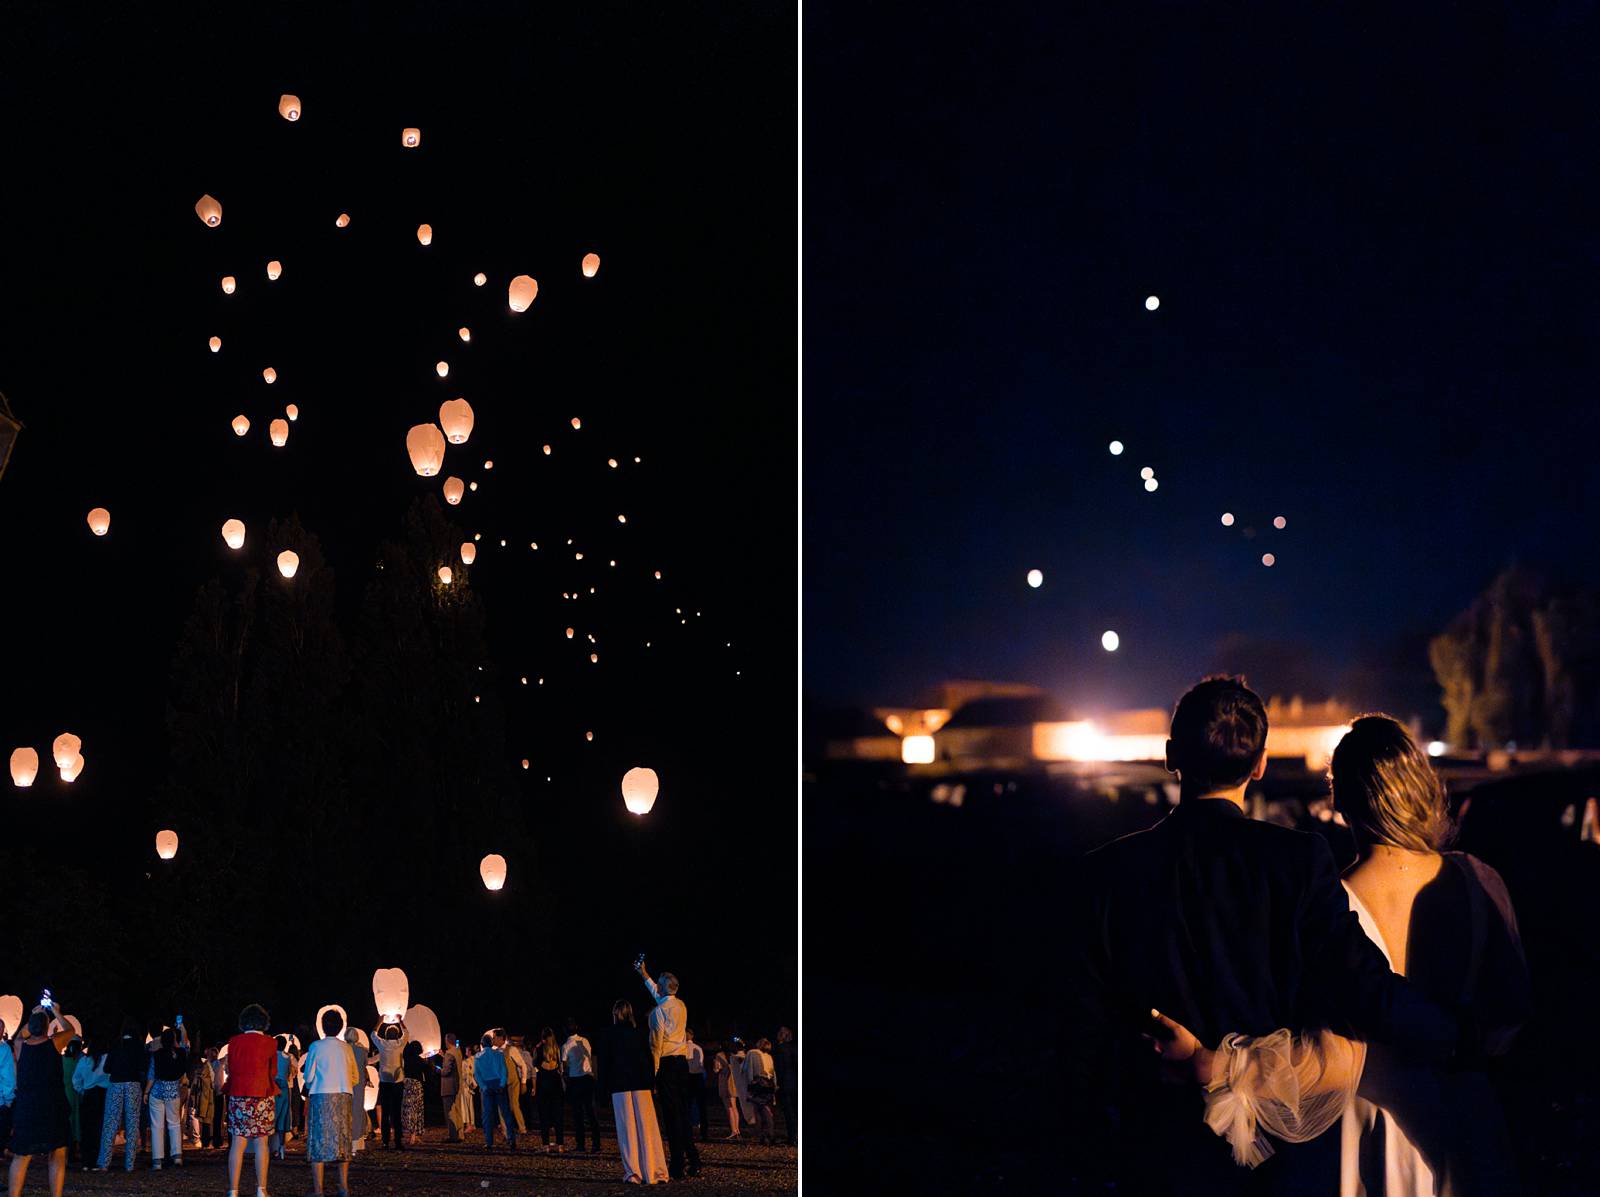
662	140
1372	232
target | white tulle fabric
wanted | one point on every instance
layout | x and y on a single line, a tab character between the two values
1291	1086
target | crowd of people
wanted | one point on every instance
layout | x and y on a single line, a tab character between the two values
67	1097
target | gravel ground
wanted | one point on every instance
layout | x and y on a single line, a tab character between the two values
437	1167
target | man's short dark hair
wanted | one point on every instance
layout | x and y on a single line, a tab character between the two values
1219	731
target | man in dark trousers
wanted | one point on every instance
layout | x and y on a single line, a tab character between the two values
669	1044
1226	924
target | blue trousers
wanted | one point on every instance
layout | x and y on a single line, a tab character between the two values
497	1105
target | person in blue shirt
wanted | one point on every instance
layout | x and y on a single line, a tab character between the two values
490	1072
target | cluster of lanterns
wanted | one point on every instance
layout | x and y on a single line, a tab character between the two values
67	752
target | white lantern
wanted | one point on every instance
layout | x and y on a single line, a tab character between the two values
70	771
454	488
208	210
24	767
241	424
455	417
343	221
288	562
289	107
411	138
344	1022
591	265
215	343
425	444
292	412
639	789
479	279
493	871
521	293
390	992
166	844
11	1013
425	234
279	431
422	1024
445	575
229	283
370	1096
274	270
442	369
270	375
469	552
65	747
99	521
233	534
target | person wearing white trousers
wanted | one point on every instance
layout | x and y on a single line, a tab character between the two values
163	1088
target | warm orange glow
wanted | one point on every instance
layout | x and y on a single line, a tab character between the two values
479	279
344	220
241	425
411	138
569	633
612	462
1279	522
547	450
270	375
24	767
521	293
464	333
425	234
469	552
453	490
288	562
279	431
1268	560
455	418
591	265
274	269
208	210
639	789
71	770
64	747
441	368
917	750
1227	519
233	534
293	412
576	423
99	521
228	284
445	575
425	443
215	343
493	871
474	487
488	465
289	109
166	844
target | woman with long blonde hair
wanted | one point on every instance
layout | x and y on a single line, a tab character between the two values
627	1072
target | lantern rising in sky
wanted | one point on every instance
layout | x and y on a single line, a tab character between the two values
279	431
24	767
455	418
215	343
445	575
521	293
208	210
288	562
289	107
425	234
233	534
1279	522
241	425
469	552
1227	519
1151	303
479	279
464	333
493	871
166	844
344	220
99	521
229	283
639	789
453	490
425	444
1268	560
1110	641
64	747
591	265
270	375
1116	448
292	412
274	269
71	770
1036	578
411	138
442	369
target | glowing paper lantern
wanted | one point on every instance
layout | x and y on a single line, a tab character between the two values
1036	578
591	265
270	375
344	220
228	284
344	1022
24	768
233	534
445	575
479	279
1227	519
639	789
422	1024
425	234
292	412
289	107
442	369
1152	303
547	450
1268	560
425	444
576	423
453	490
11	1013
1150	484
208	210
1110	641
521	293
1279	522
488	465
1116	448
464	333
241	425
279	431
493	871
569	633
215	343
99	521
917	750
166	844
411	138
288	562
70	771
390	993
1147	472
274	270
469	552
455	417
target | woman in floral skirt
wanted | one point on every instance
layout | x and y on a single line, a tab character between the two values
251	1088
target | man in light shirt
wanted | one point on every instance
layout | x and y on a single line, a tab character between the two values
577	1061
669	1044
697	1087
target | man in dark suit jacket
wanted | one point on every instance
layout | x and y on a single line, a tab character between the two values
1226	924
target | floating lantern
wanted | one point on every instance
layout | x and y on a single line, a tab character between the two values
1279	522
1110	641
233	534
274	270
469	552
612	462
24	768
1116	448
445	575
288	562
576	423
166	844
422	1024
279	431
425	234
658	576
569	633
441	368
464	333
99	521
547	450
425	444
289	107
70	771
479	279
639	789
1150	484
270	375
489	464
1227	519
622	519
455	418
241	425
411	138
594	658
453	490
228	284
215	343
344	1021
1268	560
521	293
1147	472
493	871
474	488
208	210
586	735
524	759
390	993
591	265
11	1013
1151	303
292	412
344	220
1035	578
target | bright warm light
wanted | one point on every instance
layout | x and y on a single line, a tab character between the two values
99	521
228	284
425	445
455	419
241	425
479	279
24	767
469	552
233	534
288	562
639	789
464	333
1151	303
1150	484
292	412
1110	641
1036	578
166	844
1227	519
917	750
1437	747
445	575
576	423
270	375
1268	560
425	234
454	488
208	210
1116	448
521	293
344	220
216	344
289	107
493	871
279	431
591	265
441	368
1278	521
274	270
411	138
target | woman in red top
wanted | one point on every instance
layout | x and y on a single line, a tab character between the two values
252	1085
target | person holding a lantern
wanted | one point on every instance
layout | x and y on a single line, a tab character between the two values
389	1039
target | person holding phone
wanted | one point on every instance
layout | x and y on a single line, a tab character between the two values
41	1120
168	1064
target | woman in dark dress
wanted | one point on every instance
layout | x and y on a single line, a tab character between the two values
627	1072
41	1120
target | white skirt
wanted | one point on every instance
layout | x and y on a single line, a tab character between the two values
638	1137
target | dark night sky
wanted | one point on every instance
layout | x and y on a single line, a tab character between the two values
664	140
1372	231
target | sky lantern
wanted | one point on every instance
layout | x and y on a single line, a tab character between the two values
1150	484
1227	519
99	521
1147	472
1151	303
1268	560
274	269
547	450
658	576
279	431
453	490
270	375
343	1019
493	871
489	465
576	423
1279	522
639	789
1036	578
569	633
445	575
343	221
390	993
71	770
228	284
1110	641
241	425
469	552
442	369
24	768
425	234
289	107
455	418
292	412
208	210
588	735
411	138
215	343
479	279
425	444
233	534
166	844
521	293
11	1012
288	562
464	333
422	1024
591	265
1116	448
